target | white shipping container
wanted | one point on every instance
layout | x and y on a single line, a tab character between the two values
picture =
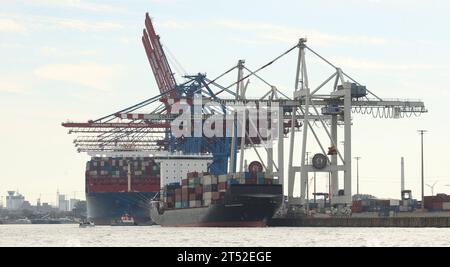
207	196
394	202
207	202
446	205
206	180
223	178
209	180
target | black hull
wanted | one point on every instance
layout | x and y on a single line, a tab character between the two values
243	206
107	208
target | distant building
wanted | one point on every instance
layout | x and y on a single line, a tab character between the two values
26	205
14	201
63	204
45	207
73	202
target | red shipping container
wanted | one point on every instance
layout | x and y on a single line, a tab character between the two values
357	209
184	194
251	181
199	190
437	206
192	197
357	203
429	200
184	182
215	195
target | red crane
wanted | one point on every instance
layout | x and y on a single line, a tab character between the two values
158	61
135	129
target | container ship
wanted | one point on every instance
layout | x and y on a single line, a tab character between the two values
201	199
118	186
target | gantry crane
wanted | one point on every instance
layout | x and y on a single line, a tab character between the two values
133	129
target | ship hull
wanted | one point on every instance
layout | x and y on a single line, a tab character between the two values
106	208
243	206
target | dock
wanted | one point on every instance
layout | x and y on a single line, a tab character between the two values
405	222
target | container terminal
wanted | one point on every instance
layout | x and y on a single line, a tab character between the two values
154	161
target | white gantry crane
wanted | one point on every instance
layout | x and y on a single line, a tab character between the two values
312	106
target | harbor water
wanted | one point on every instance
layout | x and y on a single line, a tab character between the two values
69	235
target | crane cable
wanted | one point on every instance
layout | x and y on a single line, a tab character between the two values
258	70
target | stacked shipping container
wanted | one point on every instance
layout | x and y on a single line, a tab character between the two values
440	202
105	174
375	205
203	189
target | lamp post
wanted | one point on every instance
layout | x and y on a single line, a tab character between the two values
422	132
307	184
357	174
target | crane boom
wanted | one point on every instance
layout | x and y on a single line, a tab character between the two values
116	125
158	60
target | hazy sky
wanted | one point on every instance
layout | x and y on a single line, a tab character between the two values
79	60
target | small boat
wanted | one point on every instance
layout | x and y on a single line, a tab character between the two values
125	220
86	224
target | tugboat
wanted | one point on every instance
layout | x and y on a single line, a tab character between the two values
125	220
